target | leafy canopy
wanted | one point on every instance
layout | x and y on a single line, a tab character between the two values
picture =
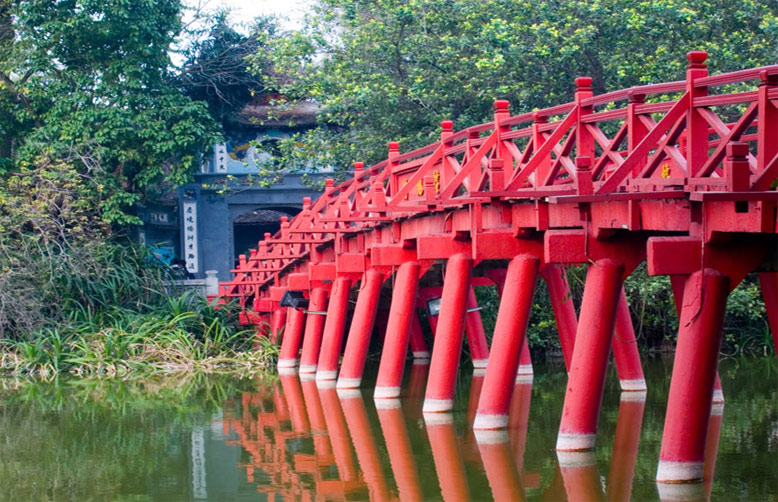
86	84
391	70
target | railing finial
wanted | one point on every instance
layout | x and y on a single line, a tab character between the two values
697	59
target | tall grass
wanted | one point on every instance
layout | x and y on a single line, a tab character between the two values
113	317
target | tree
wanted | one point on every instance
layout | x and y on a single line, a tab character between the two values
86	84
392	70
217	71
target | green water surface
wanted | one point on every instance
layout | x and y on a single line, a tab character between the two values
284	438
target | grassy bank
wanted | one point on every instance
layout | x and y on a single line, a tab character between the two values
104	312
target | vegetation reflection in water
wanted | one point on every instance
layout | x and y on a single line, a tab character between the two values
218	438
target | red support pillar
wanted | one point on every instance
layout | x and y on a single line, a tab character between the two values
625	350
678	283
525	358
694	373
277	323
401	313
314	329
564	310
580	475
448	340
333	330
578	428
418	344
476	337
509	337
768	281
293	337
358	341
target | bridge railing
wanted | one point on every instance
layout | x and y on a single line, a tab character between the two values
627	141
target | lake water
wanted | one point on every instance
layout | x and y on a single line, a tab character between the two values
283	438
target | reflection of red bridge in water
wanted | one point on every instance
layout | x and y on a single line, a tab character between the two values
270	422
686	184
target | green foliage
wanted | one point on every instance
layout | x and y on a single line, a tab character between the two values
85	87
392	70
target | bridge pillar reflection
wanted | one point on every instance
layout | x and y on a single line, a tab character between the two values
401	313
333	330
447	348
358	340
314	330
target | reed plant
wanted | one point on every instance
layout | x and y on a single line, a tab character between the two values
110	315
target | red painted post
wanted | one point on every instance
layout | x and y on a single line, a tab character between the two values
358	341
585	385
768	282
518	421
448	340
293	393
694	372
293	337
476	337
564	310
418	344
712	447
509	336
277	323
333	330
401	314
625	350
314	329
678	283
525	359
338	434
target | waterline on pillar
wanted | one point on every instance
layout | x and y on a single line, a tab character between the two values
633	396
286	363
681	491
423	354
679	472
717	409
349	383
718	396
490	422
480	363
437	405
386	392
491	436
438	418
388	403
576	458
635	385
325	384
348	393
525	369
524	378
287	370
308	368
326	375
479	371
307	377
421	362
568	441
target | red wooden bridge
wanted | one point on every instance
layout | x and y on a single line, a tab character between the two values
681	175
